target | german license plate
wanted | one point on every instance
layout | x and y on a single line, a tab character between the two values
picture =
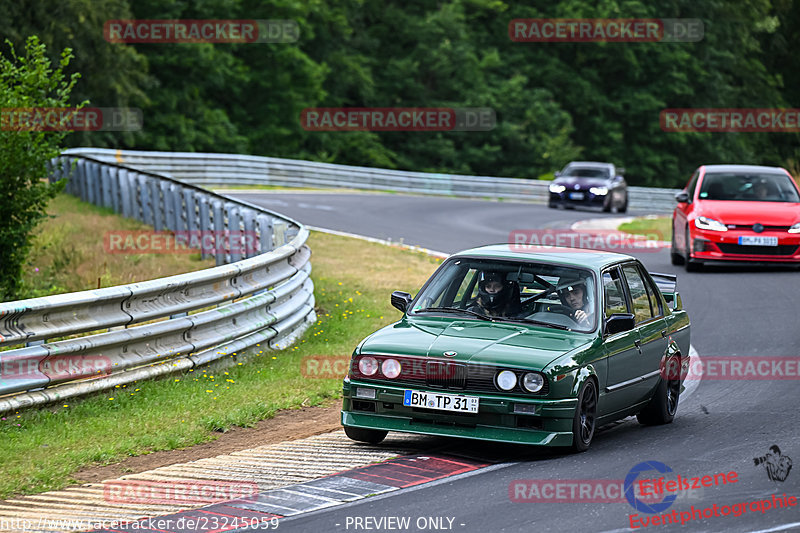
576	196
440	402
758	241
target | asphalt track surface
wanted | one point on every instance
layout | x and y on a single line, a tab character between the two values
721	427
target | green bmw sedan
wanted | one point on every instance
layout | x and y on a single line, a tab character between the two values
523	344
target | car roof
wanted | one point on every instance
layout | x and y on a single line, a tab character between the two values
744	168
581	257
591	164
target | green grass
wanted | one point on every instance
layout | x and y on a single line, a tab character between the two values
41	448
68	253
656	228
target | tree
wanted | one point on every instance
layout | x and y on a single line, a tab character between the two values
26	82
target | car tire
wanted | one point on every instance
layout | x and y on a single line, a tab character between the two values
675	256
583	423
552	205
607	204
371	436
624	207
664	404
691	264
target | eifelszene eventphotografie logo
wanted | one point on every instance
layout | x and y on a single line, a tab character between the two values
777	465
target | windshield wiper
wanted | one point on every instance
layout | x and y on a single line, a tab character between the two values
454	310
539	323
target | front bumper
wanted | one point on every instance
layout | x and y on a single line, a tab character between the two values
588	200
724	246
550	424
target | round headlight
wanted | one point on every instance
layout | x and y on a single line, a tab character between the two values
532	382
368	366
391	368
506	380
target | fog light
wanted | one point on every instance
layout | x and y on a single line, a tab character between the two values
700	245
365	393
524	409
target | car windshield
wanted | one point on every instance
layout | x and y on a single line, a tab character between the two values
585	172
553	296
748	187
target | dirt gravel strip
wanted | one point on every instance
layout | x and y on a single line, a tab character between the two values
257	469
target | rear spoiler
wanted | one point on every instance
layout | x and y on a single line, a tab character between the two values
667	284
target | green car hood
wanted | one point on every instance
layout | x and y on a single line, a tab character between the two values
496	343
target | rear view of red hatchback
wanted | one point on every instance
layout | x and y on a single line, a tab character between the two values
737	213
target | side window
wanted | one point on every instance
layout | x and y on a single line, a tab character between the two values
613	295
639	298
655	301
692	185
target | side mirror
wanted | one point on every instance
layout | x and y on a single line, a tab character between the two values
682	197
557	173
619	322
621	171
401	300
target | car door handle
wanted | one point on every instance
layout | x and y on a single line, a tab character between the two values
638	345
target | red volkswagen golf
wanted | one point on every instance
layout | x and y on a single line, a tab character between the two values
736	213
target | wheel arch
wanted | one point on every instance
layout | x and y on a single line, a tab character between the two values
585	373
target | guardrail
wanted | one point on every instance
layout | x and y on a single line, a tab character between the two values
231	169
145	329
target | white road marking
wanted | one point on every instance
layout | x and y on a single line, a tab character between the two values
778	528
321	207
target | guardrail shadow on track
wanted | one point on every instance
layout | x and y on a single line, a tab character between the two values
266	297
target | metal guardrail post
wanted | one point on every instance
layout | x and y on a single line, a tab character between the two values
125	193
233	233
265	232
218	221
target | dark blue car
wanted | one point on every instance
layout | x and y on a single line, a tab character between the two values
590	184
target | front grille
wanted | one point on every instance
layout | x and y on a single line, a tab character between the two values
781	249
446	375
750	226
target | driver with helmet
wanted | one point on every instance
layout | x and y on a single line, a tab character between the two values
575	297
496	296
